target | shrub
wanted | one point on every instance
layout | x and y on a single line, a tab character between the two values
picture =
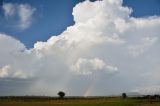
61	94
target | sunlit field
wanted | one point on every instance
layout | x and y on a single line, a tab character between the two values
77	101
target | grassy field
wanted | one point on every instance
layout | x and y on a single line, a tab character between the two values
99	101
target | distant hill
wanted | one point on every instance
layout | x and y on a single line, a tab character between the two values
133	94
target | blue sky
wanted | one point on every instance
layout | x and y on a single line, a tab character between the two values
53	16
144	7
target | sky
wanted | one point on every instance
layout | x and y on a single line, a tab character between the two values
52	17
84	48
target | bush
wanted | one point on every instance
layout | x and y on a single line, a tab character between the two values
124	95
61	94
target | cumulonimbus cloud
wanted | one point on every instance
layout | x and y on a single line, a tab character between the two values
111	51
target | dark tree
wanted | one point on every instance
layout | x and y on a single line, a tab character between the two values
124	95
61	94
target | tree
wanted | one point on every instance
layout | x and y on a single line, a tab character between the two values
61	94
124	95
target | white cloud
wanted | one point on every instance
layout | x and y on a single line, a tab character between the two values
105	39
22	12
25	13
144	45
4	71
89	66
7	72
9	9
13	58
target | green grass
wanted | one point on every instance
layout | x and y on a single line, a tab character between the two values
101	101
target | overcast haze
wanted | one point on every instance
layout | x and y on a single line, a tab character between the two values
104	51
